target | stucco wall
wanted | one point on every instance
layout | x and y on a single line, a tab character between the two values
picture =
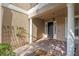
38	28
60	28
6	22
13	20
20	20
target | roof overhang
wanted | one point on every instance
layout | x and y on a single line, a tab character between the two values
15	8
42	7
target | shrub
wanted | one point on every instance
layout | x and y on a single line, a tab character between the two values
5	50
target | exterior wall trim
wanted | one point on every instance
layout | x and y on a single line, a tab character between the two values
1	17
34	11
15	8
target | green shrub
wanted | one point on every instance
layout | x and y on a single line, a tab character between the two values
5	50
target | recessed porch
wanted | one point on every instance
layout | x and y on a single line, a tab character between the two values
40	27
47	25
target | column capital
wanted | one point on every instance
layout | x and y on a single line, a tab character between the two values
30	18
70	4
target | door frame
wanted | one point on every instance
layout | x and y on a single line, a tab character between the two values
54	28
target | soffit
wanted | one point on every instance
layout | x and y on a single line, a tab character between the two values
25	6
58	11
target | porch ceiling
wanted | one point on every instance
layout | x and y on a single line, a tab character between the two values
58	11
25	6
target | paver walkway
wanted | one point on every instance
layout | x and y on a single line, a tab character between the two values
46	47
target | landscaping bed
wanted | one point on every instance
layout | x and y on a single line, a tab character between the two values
5	50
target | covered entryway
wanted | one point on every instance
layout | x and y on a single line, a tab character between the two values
58	13
50	29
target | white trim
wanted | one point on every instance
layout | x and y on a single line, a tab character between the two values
1	16
41	7
55	30
46	29
13	7
30	41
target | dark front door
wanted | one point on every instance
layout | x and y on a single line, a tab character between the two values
50	29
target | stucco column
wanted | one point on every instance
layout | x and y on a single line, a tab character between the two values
30	41
70	32
0	23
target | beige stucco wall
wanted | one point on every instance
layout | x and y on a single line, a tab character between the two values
60	28
6	22
21	20
11	21
38	28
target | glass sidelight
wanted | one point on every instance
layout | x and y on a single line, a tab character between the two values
76	27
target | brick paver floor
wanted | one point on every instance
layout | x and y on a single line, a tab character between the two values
46	47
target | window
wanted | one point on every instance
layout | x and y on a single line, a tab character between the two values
76	26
